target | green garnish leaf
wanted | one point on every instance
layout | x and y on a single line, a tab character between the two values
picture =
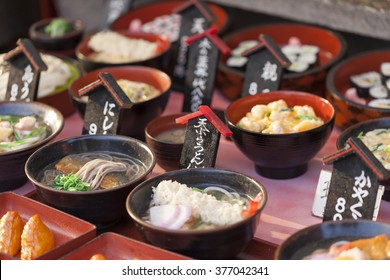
360	135
197	189
382	132
286	110
306	117
70	182
376	147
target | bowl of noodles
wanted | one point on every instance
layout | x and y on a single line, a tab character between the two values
338	240
90	176
203	213
148	89
24	127
115	48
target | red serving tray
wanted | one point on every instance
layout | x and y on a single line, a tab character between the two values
118	247
69	232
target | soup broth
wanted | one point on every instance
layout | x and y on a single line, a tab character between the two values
175	135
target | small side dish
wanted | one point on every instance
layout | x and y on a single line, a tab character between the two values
57	27
277	118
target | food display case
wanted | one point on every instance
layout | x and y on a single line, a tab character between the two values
289	201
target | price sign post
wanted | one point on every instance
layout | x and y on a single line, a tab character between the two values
25	66
264	68
202	138
202	67
354	183
196	18
105	102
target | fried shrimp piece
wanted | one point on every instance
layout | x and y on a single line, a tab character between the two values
11	228
37	239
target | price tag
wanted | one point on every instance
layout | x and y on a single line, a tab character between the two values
105	102
264	68
202	138
195	19
202	67
25	66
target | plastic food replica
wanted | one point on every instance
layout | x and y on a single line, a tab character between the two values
277	118
18	132
112	47
177	206
378	141
92	171
375	248
31	239
371	88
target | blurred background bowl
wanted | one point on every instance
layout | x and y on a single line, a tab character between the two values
321	236
364	127
220	243
134	120
149	12
332	48
100	207
280	156
12	163
348	111
60	45
160	60
168	153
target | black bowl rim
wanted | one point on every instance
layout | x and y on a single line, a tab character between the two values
334	92
109	68
40	36
294	134
80	138
314	70
197	232
148	135
340	144
309	229
82	57
45	140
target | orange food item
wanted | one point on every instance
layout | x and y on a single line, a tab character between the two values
11	228
98	257
37	239
377	248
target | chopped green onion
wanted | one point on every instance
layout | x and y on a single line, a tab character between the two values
198	189
286	110
305	117
70	182
382	132
360	135
376	147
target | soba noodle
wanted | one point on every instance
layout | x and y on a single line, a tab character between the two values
94	168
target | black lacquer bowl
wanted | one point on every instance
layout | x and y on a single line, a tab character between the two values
280	156
100	207
221	243
321	236
12	163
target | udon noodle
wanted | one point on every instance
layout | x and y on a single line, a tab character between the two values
102	170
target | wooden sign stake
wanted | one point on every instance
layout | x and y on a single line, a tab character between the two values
25	64
264	70
202	138
202	67
105	102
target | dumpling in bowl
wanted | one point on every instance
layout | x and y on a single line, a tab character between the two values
11	228
37	239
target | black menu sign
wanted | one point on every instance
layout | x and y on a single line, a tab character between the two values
196	18
25	66
354	183
264	68
201	69
105	102
202	138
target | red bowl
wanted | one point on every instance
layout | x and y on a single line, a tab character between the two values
159	60
280	156
349	112
332	49
148	12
